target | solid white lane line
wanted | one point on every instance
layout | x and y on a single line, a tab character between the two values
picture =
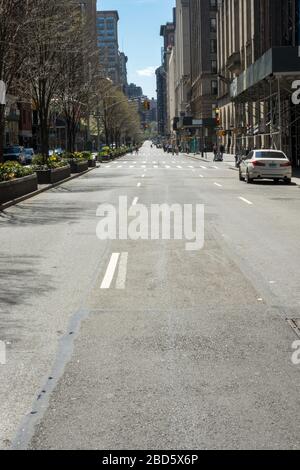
201	176
203	167
180	167
219	185
246	201
122	274
110	272
135	201
139	185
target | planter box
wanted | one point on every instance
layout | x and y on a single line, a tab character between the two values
10	190
52	176
79	167
92	163
105	158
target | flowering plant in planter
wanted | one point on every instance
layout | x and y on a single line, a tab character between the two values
75	156
12	170
53	162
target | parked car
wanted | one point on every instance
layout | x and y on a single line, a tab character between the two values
265	164
59	152
14	153
29	154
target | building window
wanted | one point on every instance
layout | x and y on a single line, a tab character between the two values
213	46
214	87
213	25
214	66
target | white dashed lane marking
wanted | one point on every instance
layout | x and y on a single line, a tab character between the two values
122	273
246	201
110	272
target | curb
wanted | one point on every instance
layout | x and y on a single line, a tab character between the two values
8	204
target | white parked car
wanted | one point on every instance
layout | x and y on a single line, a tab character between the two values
265	164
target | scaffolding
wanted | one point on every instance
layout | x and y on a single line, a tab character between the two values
265	115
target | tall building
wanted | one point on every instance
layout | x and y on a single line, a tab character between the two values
134	91
180	117
167	31
123	59
171	98
258	61
161	88
183	57
204	82
107	39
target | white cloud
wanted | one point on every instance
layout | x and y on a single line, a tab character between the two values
147	72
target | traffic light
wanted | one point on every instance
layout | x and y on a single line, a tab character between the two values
218	117
147	105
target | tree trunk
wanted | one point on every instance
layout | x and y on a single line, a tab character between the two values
44	132
2	131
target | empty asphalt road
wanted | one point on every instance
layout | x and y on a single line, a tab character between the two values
139	344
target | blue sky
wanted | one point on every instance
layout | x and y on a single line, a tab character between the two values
139	37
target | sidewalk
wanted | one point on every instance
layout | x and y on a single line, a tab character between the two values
209	157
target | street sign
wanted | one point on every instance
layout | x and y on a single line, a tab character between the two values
2	92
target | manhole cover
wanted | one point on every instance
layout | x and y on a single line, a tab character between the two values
295	325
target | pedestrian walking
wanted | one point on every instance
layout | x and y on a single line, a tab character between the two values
215	151
222	151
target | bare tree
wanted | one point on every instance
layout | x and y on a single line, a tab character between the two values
14	19
51	40
77	93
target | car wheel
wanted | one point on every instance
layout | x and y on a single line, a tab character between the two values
248	179
241	176
288	181
276	180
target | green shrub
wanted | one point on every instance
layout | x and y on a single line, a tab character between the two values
104	152
87	155
12	170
